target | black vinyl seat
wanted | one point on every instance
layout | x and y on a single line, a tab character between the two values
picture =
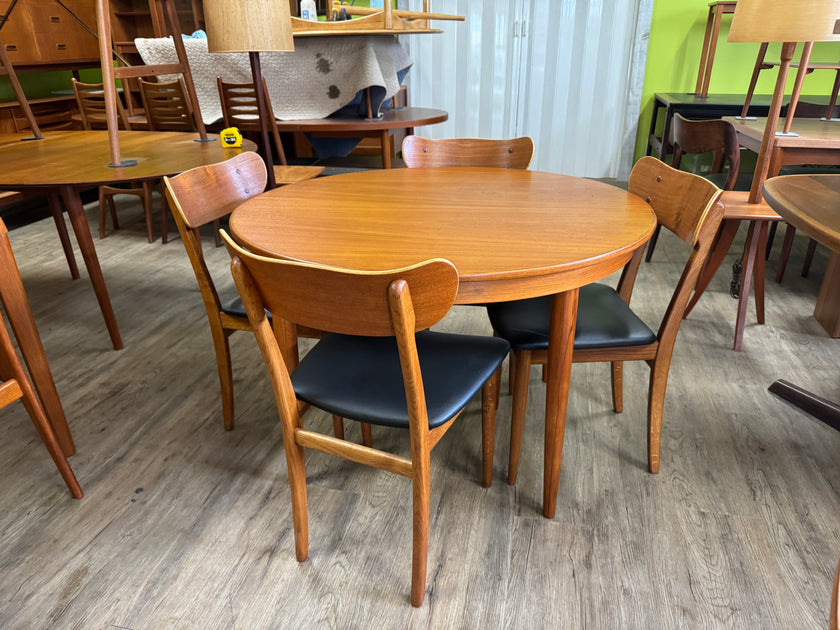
604	320
359	378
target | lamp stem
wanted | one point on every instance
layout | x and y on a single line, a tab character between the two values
256	74
762	164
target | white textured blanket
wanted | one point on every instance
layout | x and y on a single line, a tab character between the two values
321	76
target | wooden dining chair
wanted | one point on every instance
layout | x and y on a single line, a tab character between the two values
202	196
420	152
167	108
90	99
239	109
15	385
607	328
367	367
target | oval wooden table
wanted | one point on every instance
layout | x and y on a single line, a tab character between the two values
66	163
511	234
811	203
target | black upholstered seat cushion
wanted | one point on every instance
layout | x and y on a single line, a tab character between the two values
359	378
236	308
603	320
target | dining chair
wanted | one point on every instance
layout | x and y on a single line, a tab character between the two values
202	196
239	109
607	328
376	363
90	99
420	152
167	108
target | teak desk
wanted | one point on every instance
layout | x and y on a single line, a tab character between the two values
511	234
67	162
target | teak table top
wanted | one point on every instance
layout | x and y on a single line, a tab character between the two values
80	158
809	202
511	234
814	133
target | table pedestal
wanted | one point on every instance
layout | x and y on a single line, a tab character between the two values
827	310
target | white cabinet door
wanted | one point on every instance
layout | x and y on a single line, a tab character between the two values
567	73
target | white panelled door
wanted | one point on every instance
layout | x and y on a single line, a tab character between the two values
565	72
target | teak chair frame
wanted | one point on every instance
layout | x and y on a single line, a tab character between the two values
420	152
688	206
394	303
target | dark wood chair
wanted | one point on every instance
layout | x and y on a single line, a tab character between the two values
90	98
202	196
368	368
607	329
420	152
239	109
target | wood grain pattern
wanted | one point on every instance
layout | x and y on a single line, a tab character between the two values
739	529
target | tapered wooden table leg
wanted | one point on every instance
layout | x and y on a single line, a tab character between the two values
560	349
80	227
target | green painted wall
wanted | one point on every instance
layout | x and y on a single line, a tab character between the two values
676	37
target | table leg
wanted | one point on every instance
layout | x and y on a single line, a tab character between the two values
652	133
80	227
20	318
827	309
750	254
666	133
710	58
704	52
560	349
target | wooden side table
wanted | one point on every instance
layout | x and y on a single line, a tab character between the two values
707	55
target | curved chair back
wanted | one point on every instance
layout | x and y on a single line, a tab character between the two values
700	136
346	301
239	109
90	98
167	106
422	152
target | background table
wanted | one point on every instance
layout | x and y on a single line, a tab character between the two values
68	162
511	234
811	203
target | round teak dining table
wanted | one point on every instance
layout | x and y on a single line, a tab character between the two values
511	234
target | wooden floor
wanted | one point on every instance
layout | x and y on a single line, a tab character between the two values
185	525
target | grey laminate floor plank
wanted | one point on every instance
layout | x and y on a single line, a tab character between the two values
185	525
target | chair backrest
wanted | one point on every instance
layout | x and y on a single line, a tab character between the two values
90	98
422	152
202	195
700	136
53	118
167	106
239	109
689	206
347	301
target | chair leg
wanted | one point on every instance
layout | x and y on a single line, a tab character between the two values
750	254
216	236
223	363
722	244
367	438
511	371
489	402
652	243
420	535
758	273
656	403
164	218
297	484
770	238
147	209
809	256
103	209
63	235
517	416
617	372
338	427
787	243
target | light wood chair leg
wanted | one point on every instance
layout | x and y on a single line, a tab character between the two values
147	209
489	401
809	257
297	484
656	404
420	536
758	273
63	235
617	373
652	244
522	376
223	363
